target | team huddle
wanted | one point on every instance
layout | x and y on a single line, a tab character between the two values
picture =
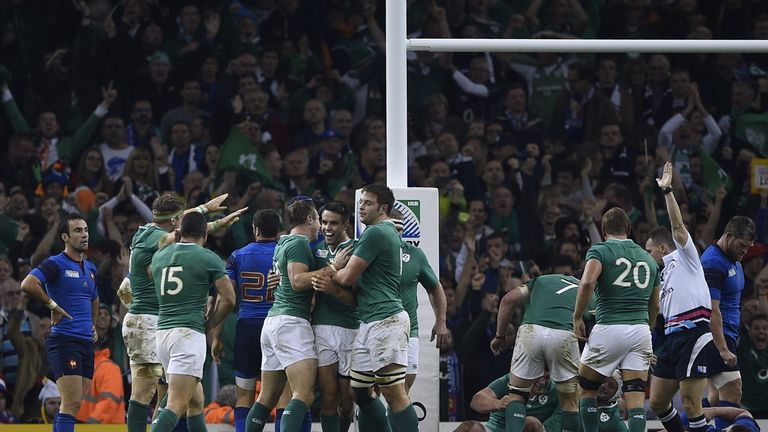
341	315
625	286
336	313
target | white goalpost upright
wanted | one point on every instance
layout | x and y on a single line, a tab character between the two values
426	390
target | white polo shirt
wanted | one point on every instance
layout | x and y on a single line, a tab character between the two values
685	301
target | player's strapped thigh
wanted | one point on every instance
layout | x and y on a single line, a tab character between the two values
247	359
286	340
618	346
182	351
686	354
395	375
723	378
69	355
139	335
362	379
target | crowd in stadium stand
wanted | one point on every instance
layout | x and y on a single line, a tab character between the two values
108	103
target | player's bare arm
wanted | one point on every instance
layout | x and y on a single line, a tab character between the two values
716	326
349	275
225	301
508	302
32	287
485	401
323	283
653	307
587	285
439	306
679	232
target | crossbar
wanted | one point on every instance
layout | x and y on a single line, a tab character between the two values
588	45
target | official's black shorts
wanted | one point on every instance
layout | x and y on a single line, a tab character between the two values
69	355
718	365
686	354
248	348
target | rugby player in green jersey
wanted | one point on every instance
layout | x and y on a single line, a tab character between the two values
183	274
545	341
335	324
380	355
624	279
137	292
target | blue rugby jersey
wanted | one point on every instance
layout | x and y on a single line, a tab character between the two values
248	268
725	278
72	285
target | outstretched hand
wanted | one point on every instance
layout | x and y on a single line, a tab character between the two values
666	178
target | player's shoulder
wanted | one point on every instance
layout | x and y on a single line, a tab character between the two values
713	257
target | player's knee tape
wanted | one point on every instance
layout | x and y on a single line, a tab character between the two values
362	380
246	383
588	384
520	391
724	378
567	387
147	370
634	385
362	396
394	377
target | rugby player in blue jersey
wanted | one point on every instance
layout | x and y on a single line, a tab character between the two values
66	284
725	277
248	268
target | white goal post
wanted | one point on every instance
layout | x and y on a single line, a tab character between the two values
397	45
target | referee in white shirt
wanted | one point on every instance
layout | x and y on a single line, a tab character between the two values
686	306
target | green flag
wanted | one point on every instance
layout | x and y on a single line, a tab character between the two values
712	175
753	129
239	154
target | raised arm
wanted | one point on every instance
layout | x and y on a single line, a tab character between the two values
675	217
587	285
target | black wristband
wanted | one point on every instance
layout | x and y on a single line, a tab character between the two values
667	190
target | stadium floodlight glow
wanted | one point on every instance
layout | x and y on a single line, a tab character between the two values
588	45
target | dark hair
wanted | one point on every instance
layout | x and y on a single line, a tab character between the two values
584	71
194	225
184	122
267	221
616	221
396	214
742	228
662	235
384	195
298	212
166	204
756	317
560	260
337	207
64	224
496	235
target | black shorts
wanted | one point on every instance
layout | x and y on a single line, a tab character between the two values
69	355
718	365
248	348
686	354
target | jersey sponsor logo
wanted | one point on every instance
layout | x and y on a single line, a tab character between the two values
731	272
71	273
604	417
592	409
